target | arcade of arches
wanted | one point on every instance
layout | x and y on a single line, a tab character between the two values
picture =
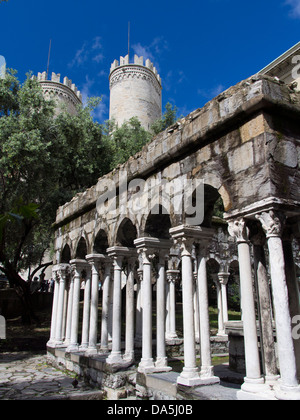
245	146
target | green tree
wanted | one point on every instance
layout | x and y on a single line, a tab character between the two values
44	160
125	141
168	118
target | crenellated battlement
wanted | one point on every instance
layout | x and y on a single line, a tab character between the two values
56	78
138	61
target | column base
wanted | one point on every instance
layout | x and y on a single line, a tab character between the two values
146	366
161	365
129	356
208	377
91	351
256	389
83	347
286	393
73	348
115	358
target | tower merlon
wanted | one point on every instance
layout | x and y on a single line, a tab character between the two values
56	78
138	61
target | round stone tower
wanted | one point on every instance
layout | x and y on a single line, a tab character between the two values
135	91
64	93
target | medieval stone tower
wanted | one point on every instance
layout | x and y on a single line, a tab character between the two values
135	91
65	93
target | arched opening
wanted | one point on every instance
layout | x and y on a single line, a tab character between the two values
81	250
127	233
207	204
66	255
101	243
158	224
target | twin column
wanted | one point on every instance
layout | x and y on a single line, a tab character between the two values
287	387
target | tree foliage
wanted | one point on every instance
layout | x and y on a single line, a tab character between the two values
168	118
45	159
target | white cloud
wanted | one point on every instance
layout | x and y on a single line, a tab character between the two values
295	7
90	51
153	51
87	91
211	92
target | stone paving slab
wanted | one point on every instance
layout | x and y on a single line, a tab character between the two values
26	376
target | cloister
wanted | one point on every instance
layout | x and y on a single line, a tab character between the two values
243	147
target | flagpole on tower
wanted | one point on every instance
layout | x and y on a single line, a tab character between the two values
49	58
128	40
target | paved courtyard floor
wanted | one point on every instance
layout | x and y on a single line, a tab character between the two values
26	376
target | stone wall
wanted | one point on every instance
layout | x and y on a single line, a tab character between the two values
244	144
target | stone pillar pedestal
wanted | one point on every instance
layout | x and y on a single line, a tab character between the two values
186	236
94	261
115	356
289	389
254	379
129	334
52	341
86	313
172	277
105	305
207	371
161	364
61	273
77	266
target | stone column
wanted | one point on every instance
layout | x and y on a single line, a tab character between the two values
190	374
196	307
161	363
289	387
52	341
172	276
62	272
77	266
207	371
115	356
129	333
105	306
94	261
253	378
221	328
223	280
139	304
69	311
146	364
293	288
265	307
86	313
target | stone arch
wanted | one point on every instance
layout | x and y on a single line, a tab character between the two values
100	243
66	254
215	181
81	248
126	233
158	223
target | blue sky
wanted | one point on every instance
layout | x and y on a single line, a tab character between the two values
199	47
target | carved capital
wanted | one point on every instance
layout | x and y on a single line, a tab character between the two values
173	276
238	229
223	278
272	223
